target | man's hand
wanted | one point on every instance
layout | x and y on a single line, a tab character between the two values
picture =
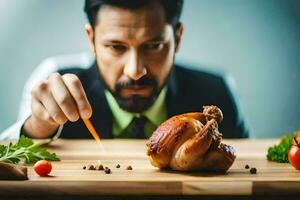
54	102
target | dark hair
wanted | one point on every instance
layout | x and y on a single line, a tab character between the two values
172	8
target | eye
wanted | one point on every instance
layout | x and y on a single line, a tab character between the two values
153	46
116	47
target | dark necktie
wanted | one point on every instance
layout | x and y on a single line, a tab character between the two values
138	127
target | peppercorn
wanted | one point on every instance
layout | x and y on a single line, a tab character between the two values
118	166
84	167
253	170
91	167
247	166
107	170
100	167
129	167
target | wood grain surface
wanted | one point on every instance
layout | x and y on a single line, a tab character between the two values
69	178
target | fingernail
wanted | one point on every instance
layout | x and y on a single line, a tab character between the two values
74	117
86	114
60	120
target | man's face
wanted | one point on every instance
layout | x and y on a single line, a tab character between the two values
134	50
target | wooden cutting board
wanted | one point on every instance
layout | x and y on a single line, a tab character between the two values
69	178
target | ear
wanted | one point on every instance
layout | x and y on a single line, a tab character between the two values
91	38
178	36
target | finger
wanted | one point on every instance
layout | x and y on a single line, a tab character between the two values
76	89
41	93
40	112
63	97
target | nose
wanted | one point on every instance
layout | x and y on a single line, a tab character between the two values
134	68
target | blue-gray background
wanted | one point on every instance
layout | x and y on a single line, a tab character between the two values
257	41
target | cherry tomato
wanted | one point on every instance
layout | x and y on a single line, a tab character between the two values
294	156
42	167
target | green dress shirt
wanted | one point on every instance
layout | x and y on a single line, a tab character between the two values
156	114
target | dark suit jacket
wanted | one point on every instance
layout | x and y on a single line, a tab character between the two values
188	90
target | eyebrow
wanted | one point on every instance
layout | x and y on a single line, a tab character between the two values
114	41
156	39
153	39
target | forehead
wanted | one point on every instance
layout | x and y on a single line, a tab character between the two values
145	22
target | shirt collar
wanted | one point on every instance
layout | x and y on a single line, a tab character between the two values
156	114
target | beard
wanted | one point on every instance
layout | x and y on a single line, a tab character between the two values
135	103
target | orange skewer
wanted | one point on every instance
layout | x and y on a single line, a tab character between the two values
91	129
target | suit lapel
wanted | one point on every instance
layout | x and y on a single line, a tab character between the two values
102	116
172	98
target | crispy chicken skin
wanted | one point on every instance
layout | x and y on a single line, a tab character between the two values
190	142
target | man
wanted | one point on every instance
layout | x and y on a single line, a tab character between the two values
133	85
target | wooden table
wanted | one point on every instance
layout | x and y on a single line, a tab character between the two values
68	177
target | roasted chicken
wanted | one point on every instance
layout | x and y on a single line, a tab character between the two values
190	142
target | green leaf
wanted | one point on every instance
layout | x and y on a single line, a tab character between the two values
24	142
26	151
43	154
2	150
279	152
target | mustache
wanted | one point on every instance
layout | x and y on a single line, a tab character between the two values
144	81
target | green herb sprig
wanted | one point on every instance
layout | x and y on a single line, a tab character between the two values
25	151
279	152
